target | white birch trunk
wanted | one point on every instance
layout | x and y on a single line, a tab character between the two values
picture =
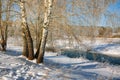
28	43
47	14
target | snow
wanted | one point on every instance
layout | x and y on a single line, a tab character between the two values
13	66
110	47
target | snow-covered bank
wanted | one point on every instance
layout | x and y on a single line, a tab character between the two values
56	67
17	68
108	49
105	49
82	69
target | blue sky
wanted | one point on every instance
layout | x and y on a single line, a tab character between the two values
113	8
82	20
14	7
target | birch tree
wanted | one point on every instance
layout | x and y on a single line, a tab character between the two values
2	41
47	14
28	42
4	28
9	4
2	38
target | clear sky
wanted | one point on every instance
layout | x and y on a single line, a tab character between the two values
114	9
106	18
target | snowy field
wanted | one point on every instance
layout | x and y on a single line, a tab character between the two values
57	67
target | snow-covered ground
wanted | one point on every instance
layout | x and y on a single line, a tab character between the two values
57	67
109	47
